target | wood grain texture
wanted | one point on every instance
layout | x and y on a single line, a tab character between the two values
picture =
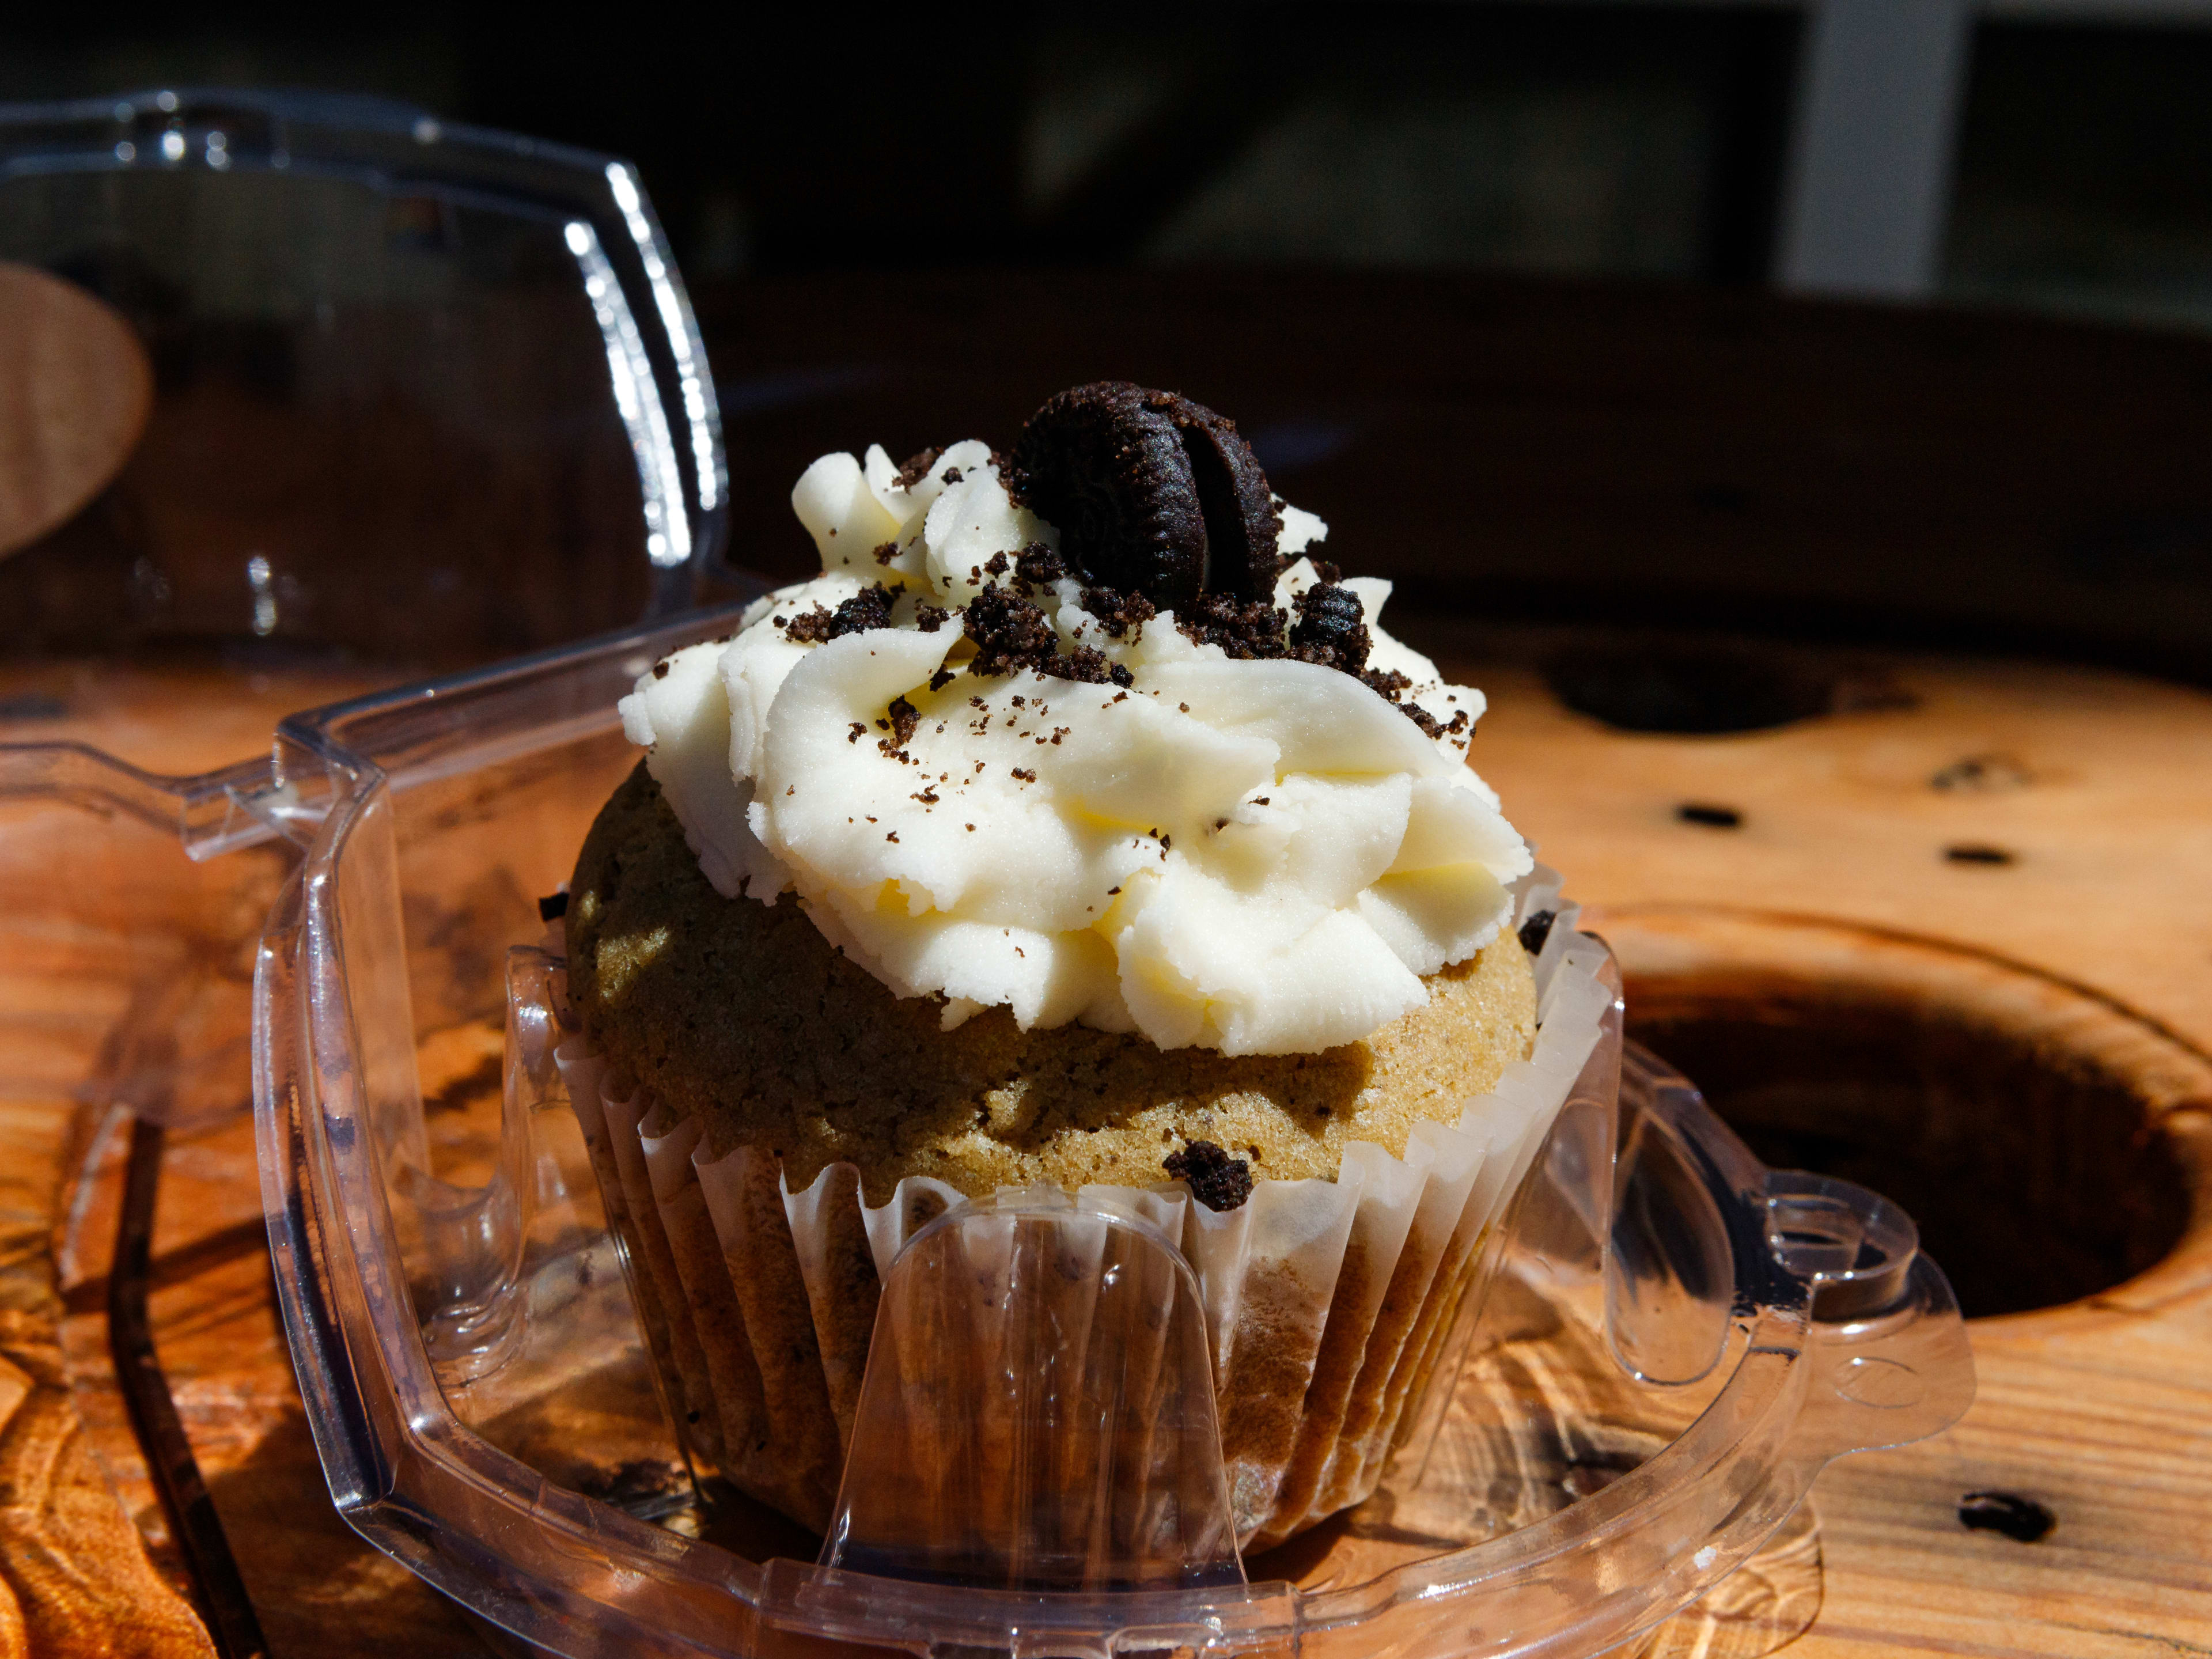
2097	785
317	1588
2094	944
74	1579
2095	1408
2093	947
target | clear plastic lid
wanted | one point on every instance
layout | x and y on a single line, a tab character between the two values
413	397
321	395
1677	1341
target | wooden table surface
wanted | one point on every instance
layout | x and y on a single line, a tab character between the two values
2092	950
2095	942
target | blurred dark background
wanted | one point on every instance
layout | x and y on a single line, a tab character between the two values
2072	138
1888	321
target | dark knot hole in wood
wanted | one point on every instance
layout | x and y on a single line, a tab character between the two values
2036	1170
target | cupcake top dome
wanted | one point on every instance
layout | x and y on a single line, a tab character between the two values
1087	732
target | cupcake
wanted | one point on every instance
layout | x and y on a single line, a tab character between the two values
1077	825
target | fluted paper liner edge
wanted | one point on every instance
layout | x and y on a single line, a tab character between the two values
1327	1304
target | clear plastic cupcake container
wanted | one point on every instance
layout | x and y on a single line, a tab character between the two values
419	397
381	398
1674	1340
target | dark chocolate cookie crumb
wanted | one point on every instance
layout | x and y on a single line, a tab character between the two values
1421	717
1037	566
869	608
917	467
885	552
1536	930
553	907
1086	665
904	718
1215	1179
1387	682
1009	632
810	628
1011	635
1122	614
931	617
1245	628
952	476
941	678
1331	628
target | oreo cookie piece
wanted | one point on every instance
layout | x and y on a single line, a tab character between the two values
1152	494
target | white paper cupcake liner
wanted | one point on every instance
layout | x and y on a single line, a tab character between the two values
1329	1303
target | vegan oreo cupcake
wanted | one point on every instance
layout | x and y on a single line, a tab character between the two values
1077	825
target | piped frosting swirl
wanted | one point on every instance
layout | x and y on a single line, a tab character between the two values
988	782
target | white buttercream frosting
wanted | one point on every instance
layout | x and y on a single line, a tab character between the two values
1261	857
